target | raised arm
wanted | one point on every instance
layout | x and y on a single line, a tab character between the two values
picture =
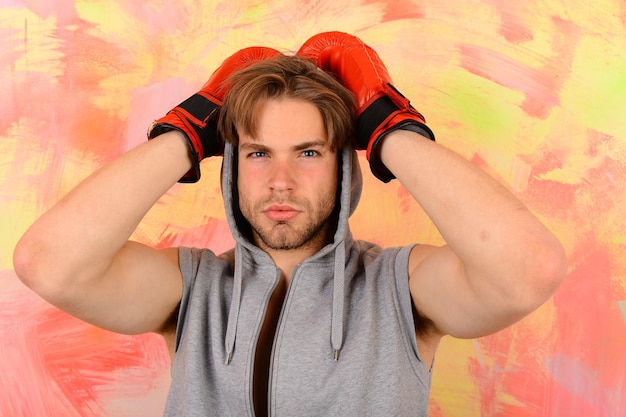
78	256
500	263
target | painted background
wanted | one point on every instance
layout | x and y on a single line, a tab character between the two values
533	91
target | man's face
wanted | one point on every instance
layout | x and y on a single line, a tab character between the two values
287	178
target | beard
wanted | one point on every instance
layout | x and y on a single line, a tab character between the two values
312	228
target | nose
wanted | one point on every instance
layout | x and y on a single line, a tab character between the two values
282	176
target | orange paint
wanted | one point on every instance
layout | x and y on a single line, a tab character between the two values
508	84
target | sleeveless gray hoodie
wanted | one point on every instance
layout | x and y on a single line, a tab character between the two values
345	341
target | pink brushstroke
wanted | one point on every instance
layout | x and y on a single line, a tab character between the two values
590	367
399	9
214	234
54	364
514	30
513	26
578	390
63	11
542	85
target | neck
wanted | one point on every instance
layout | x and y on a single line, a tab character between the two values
288	260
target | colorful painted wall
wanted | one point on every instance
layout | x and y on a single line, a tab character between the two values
533	91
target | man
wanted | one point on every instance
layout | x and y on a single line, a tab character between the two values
299	318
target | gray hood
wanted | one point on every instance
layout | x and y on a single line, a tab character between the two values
349	193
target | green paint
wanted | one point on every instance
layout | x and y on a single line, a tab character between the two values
486	112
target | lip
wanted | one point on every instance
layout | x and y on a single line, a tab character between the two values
281	212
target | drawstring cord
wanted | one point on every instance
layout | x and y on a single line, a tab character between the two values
338	307
351	183
336	337
233	314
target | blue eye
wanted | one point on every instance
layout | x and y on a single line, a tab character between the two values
310	152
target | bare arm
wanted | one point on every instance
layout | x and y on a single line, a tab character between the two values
77	255
500	263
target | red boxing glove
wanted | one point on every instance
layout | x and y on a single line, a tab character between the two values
381	108
196	117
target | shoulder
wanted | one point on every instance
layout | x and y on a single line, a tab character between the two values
390	269
190	256
200	262
369	251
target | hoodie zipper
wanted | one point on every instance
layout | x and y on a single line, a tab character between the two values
256	342
279	329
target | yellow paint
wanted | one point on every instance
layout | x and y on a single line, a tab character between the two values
123	49
33	42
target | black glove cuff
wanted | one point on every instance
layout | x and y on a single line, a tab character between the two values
206	111
377	167
371	118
